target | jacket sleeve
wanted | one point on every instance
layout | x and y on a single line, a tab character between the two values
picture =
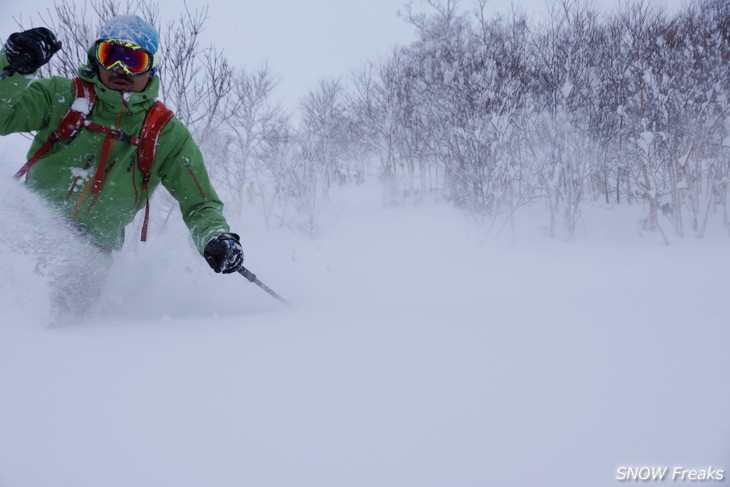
184	175
25	104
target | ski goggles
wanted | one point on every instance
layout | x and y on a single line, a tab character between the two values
133	60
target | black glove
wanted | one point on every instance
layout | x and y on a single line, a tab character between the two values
224	253
29	50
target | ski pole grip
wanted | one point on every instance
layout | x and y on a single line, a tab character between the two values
13	68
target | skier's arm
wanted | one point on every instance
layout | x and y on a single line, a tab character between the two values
184	175
25	105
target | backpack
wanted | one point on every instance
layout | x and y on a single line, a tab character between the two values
75	119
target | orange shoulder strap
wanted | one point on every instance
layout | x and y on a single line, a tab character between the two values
156	119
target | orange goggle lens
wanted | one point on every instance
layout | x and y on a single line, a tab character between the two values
132	59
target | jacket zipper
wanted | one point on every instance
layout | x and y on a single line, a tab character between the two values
132	169
87	165
97	186
107	170
186	161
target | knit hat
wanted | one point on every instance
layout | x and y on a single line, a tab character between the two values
135	30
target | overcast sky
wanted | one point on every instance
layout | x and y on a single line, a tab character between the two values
302	41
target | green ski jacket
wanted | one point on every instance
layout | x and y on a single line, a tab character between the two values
65	174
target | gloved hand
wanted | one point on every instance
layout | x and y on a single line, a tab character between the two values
29	50
224	253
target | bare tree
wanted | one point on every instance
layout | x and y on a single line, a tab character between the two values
251	130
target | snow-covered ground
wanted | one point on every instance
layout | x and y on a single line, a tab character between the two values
415	353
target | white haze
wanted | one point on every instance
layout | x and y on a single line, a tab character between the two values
414	354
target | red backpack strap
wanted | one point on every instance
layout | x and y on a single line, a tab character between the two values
84	96
71	123
156	119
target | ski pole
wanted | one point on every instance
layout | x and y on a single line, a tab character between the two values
13	68
252	278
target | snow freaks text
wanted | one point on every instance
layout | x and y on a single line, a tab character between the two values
659	474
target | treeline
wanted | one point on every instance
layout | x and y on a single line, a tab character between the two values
492	114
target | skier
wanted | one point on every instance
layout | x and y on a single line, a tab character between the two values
95	171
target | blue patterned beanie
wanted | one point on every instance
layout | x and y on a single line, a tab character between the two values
133	29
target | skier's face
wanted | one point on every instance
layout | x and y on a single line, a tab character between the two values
118	80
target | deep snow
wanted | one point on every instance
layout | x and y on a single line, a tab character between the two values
416	353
